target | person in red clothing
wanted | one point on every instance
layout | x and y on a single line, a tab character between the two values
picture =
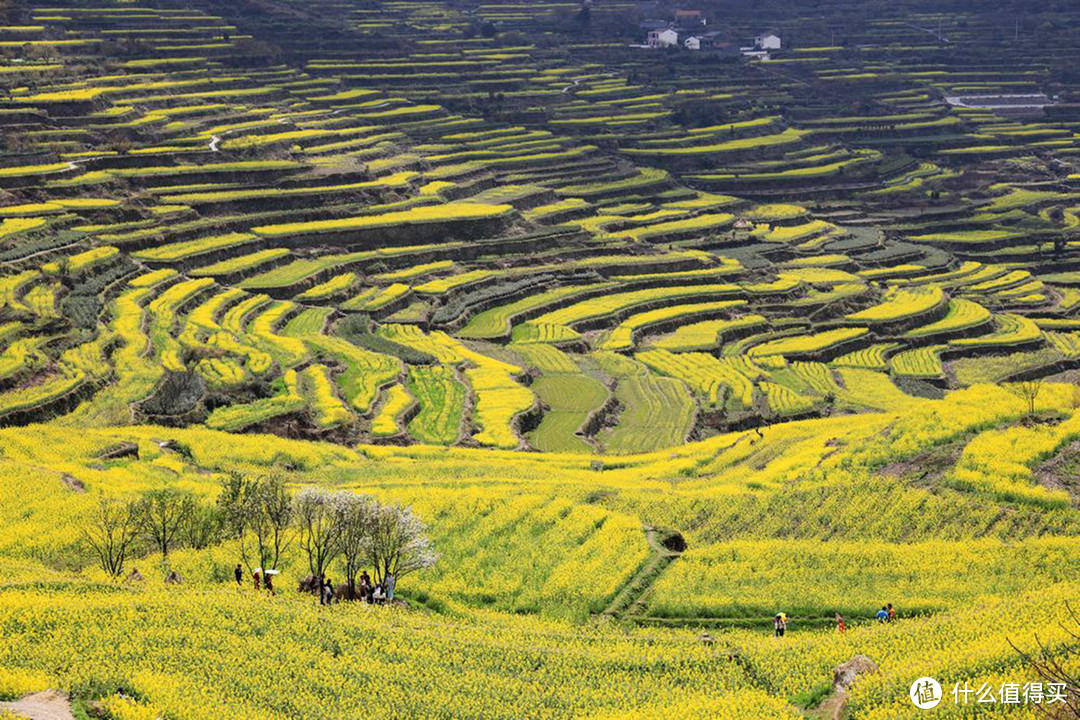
840	627
892	613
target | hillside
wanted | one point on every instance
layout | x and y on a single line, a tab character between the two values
817	517
336	247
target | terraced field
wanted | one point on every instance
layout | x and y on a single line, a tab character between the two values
570	399
317	202
621	325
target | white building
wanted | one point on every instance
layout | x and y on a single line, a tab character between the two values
662	38
768	41
692	43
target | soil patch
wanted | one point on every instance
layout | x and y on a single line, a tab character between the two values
928	466
1062	471
73	483
45	705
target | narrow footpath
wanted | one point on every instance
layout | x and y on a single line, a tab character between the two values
630	601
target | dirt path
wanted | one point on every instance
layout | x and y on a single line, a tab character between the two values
45	705
833	707
630	600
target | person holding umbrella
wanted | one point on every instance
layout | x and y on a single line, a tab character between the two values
780	624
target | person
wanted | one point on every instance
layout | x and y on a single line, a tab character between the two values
882	614
391	582
780	623
892	612
365	587
328	592
378	596
840	627
269	582
365	582
257	575
239	573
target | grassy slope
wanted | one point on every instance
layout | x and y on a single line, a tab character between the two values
531	532
570	398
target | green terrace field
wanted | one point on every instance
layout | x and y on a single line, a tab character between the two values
655	343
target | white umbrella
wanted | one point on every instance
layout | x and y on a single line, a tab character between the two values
272	572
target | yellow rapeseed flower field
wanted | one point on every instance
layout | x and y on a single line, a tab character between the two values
535	549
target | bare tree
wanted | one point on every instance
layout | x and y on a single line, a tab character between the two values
161	513
1026	390
398	543
112	533
357	518
202	527
265	512
1053	668
319	516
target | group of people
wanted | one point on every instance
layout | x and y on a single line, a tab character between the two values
886	614
383	592
370	592
373	593
261	579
